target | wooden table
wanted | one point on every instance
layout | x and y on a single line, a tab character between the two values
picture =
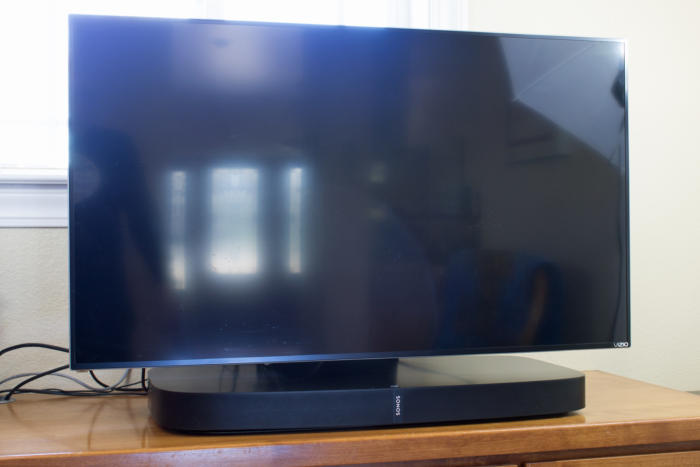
625	422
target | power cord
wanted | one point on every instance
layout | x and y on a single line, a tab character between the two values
8	396
122	388
58	375
33	344
115	389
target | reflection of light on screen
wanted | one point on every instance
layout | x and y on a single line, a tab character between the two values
295	182
234	221
176	246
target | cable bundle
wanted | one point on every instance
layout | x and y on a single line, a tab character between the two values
103	390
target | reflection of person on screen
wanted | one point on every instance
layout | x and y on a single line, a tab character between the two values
499	299
118	242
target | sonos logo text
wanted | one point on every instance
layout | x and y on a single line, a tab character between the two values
397	406
621	344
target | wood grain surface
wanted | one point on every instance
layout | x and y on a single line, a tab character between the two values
621	416
670	459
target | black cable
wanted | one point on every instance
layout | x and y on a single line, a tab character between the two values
62	392
33	378
94	376
143	380
123	389
33	344
125	386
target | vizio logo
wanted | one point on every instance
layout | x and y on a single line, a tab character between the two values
621	344
397	405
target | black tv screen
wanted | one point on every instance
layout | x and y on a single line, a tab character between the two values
250	192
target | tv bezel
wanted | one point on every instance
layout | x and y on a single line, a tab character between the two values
78	365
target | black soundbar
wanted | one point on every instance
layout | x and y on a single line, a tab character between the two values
367	393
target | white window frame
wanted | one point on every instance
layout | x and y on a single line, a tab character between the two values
34	198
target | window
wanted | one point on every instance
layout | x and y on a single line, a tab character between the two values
34	48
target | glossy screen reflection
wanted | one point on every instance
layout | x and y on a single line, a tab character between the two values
233	221
273	192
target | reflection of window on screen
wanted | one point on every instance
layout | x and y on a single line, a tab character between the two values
34	51
177	188
233	221
295	191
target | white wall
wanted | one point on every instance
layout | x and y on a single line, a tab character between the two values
664	98
34	302
665	197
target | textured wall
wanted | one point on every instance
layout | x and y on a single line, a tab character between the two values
34	302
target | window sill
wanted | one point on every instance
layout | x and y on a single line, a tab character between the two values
33	198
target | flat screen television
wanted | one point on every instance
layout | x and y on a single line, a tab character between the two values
256	193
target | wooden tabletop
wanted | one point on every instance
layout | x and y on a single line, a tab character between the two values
38	430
